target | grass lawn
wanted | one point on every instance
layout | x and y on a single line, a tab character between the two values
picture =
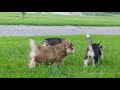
15	18
14	59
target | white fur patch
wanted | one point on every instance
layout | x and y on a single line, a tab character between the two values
73	51
32	42
44	45
32	60
93	62
102	57
69	51
32	45
90	53
32	54
86	61
87	35
32	63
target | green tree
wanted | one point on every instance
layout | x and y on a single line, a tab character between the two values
23	14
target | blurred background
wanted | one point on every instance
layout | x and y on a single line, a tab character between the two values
60	18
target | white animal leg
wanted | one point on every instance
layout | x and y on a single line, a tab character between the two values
32	63
86	61
93	61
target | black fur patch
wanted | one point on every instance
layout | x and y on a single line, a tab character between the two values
53	41
97	51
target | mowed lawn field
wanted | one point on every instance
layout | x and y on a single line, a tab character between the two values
15	18
14	59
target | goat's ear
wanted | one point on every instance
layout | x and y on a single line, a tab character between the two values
66	44
99	43
69	41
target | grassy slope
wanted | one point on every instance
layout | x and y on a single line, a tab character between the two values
14	58
53	20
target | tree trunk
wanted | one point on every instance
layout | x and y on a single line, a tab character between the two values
23	14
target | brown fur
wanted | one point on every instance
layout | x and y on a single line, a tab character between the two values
52	54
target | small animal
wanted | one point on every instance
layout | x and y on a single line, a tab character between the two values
49	54
52	41
93	52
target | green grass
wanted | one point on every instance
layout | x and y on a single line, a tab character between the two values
15	18
14	59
